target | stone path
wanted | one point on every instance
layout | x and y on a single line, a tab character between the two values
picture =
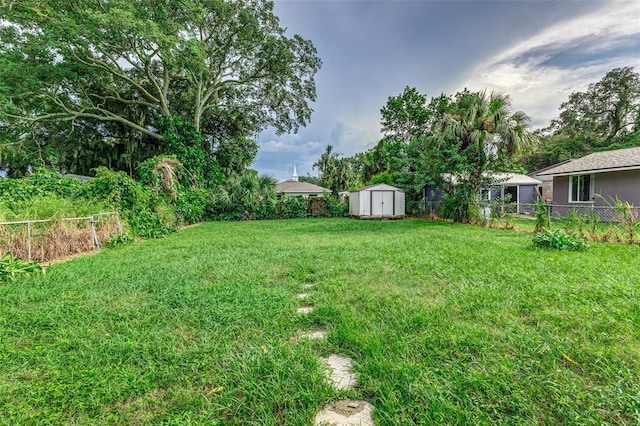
347	412
305	309
340	368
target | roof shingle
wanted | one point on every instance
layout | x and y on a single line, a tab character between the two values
619	159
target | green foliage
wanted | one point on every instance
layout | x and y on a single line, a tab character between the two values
187	145
560	240
542	216
226	66
606	116
138	203
118	240
383	177
192	204
42	182
12	268
332	207
292	207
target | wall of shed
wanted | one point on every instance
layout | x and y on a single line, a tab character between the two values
361	203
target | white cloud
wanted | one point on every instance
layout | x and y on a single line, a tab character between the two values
532	73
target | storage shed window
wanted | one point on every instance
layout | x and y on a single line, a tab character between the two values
581	188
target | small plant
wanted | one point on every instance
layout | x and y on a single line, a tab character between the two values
117	240
11	268
627	220
560	240
542	217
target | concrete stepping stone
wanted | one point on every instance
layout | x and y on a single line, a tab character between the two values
305	309
302	295
346	413
340	371
314	335
308	286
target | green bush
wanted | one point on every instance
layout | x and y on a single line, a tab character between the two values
332	207
292	207
42	183
147	215
11	268
560	240
192	203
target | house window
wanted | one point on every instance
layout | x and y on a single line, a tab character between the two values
581	188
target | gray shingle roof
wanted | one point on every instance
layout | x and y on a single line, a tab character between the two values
299	187
619	159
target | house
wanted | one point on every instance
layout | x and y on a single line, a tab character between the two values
597	179
547	181
294	188
520	190
377	202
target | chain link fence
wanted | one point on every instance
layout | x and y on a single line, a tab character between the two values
44	240
497	209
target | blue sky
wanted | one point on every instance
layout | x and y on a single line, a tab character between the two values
538	52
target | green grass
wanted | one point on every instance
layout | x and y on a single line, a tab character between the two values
446	324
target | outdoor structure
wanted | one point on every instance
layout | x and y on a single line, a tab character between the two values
292	187
376	202
519	189
598	179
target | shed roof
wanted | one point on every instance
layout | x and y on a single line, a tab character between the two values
294	186
379	187
605	161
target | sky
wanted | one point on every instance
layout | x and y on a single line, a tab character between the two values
536	51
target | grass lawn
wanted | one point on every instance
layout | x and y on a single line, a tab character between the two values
445	323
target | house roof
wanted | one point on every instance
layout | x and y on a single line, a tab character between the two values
503	179
514	179
294	186
605	161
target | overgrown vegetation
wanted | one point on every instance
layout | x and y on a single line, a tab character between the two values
12	268
559	240
467	321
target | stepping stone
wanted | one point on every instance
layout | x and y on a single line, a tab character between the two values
303	295
340	368
314	335
305	309
346	413
308	286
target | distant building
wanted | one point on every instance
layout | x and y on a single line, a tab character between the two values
293	188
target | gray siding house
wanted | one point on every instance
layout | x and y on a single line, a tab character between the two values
597	179
520	189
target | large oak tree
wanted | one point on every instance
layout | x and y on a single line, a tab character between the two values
125	63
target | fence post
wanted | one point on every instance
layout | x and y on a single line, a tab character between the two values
96	243
29	240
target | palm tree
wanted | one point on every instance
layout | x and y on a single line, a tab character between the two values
483	129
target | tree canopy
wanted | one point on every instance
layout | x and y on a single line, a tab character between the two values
117	66
605	116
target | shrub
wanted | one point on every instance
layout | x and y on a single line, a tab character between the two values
559	240
292	207
11	268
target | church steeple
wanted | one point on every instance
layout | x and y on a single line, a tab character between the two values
295	173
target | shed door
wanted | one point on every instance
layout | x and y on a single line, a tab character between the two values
382	203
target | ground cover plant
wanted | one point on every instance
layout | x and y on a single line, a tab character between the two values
445	323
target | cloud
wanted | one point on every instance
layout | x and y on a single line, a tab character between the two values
540	72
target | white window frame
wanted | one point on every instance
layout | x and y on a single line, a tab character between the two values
592	187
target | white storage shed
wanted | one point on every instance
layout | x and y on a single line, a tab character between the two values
377	201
